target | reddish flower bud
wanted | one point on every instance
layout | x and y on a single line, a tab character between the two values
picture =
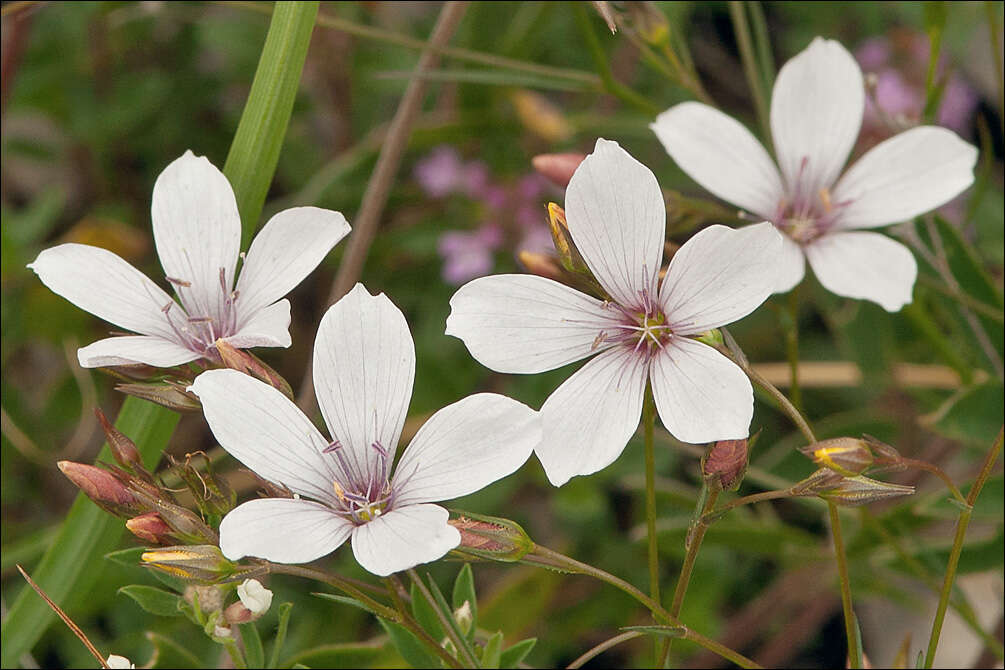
150	528
558	168
725	464
100	486
542	265
167	394
123	449
491	538
251	365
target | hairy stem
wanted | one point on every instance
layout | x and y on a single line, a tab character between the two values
954	554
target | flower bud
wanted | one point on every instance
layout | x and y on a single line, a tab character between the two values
724	465
150	528
648	22
568	254
558	168
167	394
884	453
542	265
123	449
254	596
119	662
251	365
540	116
820	480
100	486
222	633
854	491
203	563
185	525
238	613
490	538
606	13
212	495
845	455
464	618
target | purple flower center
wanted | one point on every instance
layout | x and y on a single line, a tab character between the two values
807	211
643	326
198	326
363	490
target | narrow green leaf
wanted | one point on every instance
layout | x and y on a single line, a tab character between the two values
154	600
464	590
426	615
254	153
254	652
346	600
409	647
342	655
492	652
514	655
25	550
277	644
72	563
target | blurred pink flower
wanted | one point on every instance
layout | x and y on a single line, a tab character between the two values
441	173
467	255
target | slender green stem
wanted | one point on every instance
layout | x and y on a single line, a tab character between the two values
933	92
338	582
749	58
780	398
447	622
545	557
854	651
954	554
611	85
648	425
593	652
938	472
762	41
693	543
792	347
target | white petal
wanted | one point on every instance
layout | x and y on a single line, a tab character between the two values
131	349
904	176
525	324
268	327
282	530
404	538
197	230
791	266
589	419
98	281
286	250
263	429
719	276
464	447
721	155
364	365
816	113
700	394
865	265
617	218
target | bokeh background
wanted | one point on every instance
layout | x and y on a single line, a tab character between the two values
98	97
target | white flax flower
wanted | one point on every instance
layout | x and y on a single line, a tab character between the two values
816	112
645	331
364	364
197	231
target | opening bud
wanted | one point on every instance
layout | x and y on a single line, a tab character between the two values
542	265
540	116
253	366
860	490
490	538
883	452
254	596
557	168
724	464
119	662
845	455
203	563
150	528
100	486
464	617
168	394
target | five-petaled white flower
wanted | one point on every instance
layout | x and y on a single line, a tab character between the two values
816	112
197	230
528	324
364	364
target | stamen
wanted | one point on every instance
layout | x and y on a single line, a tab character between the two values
178	282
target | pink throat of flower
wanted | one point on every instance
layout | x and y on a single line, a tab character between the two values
644	327
363	490
197	325
807	212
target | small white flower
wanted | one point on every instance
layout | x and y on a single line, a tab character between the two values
527	324
254	596
364	365
197	230
222	632
816	112
114	661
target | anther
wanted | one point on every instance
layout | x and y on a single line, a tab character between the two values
178	282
